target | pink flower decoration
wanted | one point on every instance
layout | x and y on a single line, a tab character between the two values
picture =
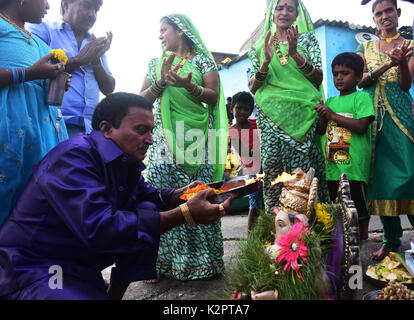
236	295
292	247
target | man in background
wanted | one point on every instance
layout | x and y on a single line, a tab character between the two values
87	61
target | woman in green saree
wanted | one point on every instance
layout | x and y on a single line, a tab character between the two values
191	129
388	76
286	80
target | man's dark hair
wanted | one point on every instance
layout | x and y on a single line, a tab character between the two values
98	4
350	60
243	97
114	107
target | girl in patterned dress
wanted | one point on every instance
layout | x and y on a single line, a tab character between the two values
286	80
388	79
189	104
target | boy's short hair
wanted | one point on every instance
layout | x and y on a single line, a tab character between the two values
350	60
115	106
243	97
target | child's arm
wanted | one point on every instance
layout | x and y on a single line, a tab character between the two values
322	122
321	126
355	125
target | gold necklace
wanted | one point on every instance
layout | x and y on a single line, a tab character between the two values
24	32
183	62
284	59
389	40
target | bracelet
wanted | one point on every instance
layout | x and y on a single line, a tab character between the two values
158	86
303	65
310	73
187	215
260	76
308	68
156	89
196	90
155	92
200	93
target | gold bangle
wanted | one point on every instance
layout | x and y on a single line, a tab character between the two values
187	215
154	92
301	67
255	78
311	73
161	87
200	93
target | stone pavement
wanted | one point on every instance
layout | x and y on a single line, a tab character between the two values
234	228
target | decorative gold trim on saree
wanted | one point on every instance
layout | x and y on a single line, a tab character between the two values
390	208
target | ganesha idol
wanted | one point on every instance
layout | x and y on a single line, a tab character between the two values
299	195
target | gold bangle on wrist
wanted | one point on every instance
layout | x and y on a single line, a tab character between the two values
200	93
311	73
303	65
187	215
261	76
161	87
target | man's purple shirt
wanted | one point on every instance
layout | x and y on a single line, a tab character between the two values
84	209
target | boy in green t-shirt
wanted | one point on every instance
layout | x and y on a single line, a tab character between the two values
345	123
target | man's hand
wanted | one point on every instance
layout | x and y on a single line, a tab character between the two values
203	211
91	51
103	48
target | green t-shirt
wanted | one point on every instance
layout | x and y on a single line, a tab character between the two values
345	151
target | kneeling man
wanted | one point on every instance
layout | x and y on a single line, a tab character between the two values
87	207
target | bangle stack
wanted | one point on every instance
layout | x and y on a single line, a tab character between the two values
187	215
307	68
18	75
156	89
260	76
197	91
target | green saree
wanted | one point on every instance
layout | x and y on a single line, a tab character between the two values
183	152
286	115
391	189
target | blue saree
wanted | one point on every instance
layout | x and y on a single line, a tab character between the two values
27	122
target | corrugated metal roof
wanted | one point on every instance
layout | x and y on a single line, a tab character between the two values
344	24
